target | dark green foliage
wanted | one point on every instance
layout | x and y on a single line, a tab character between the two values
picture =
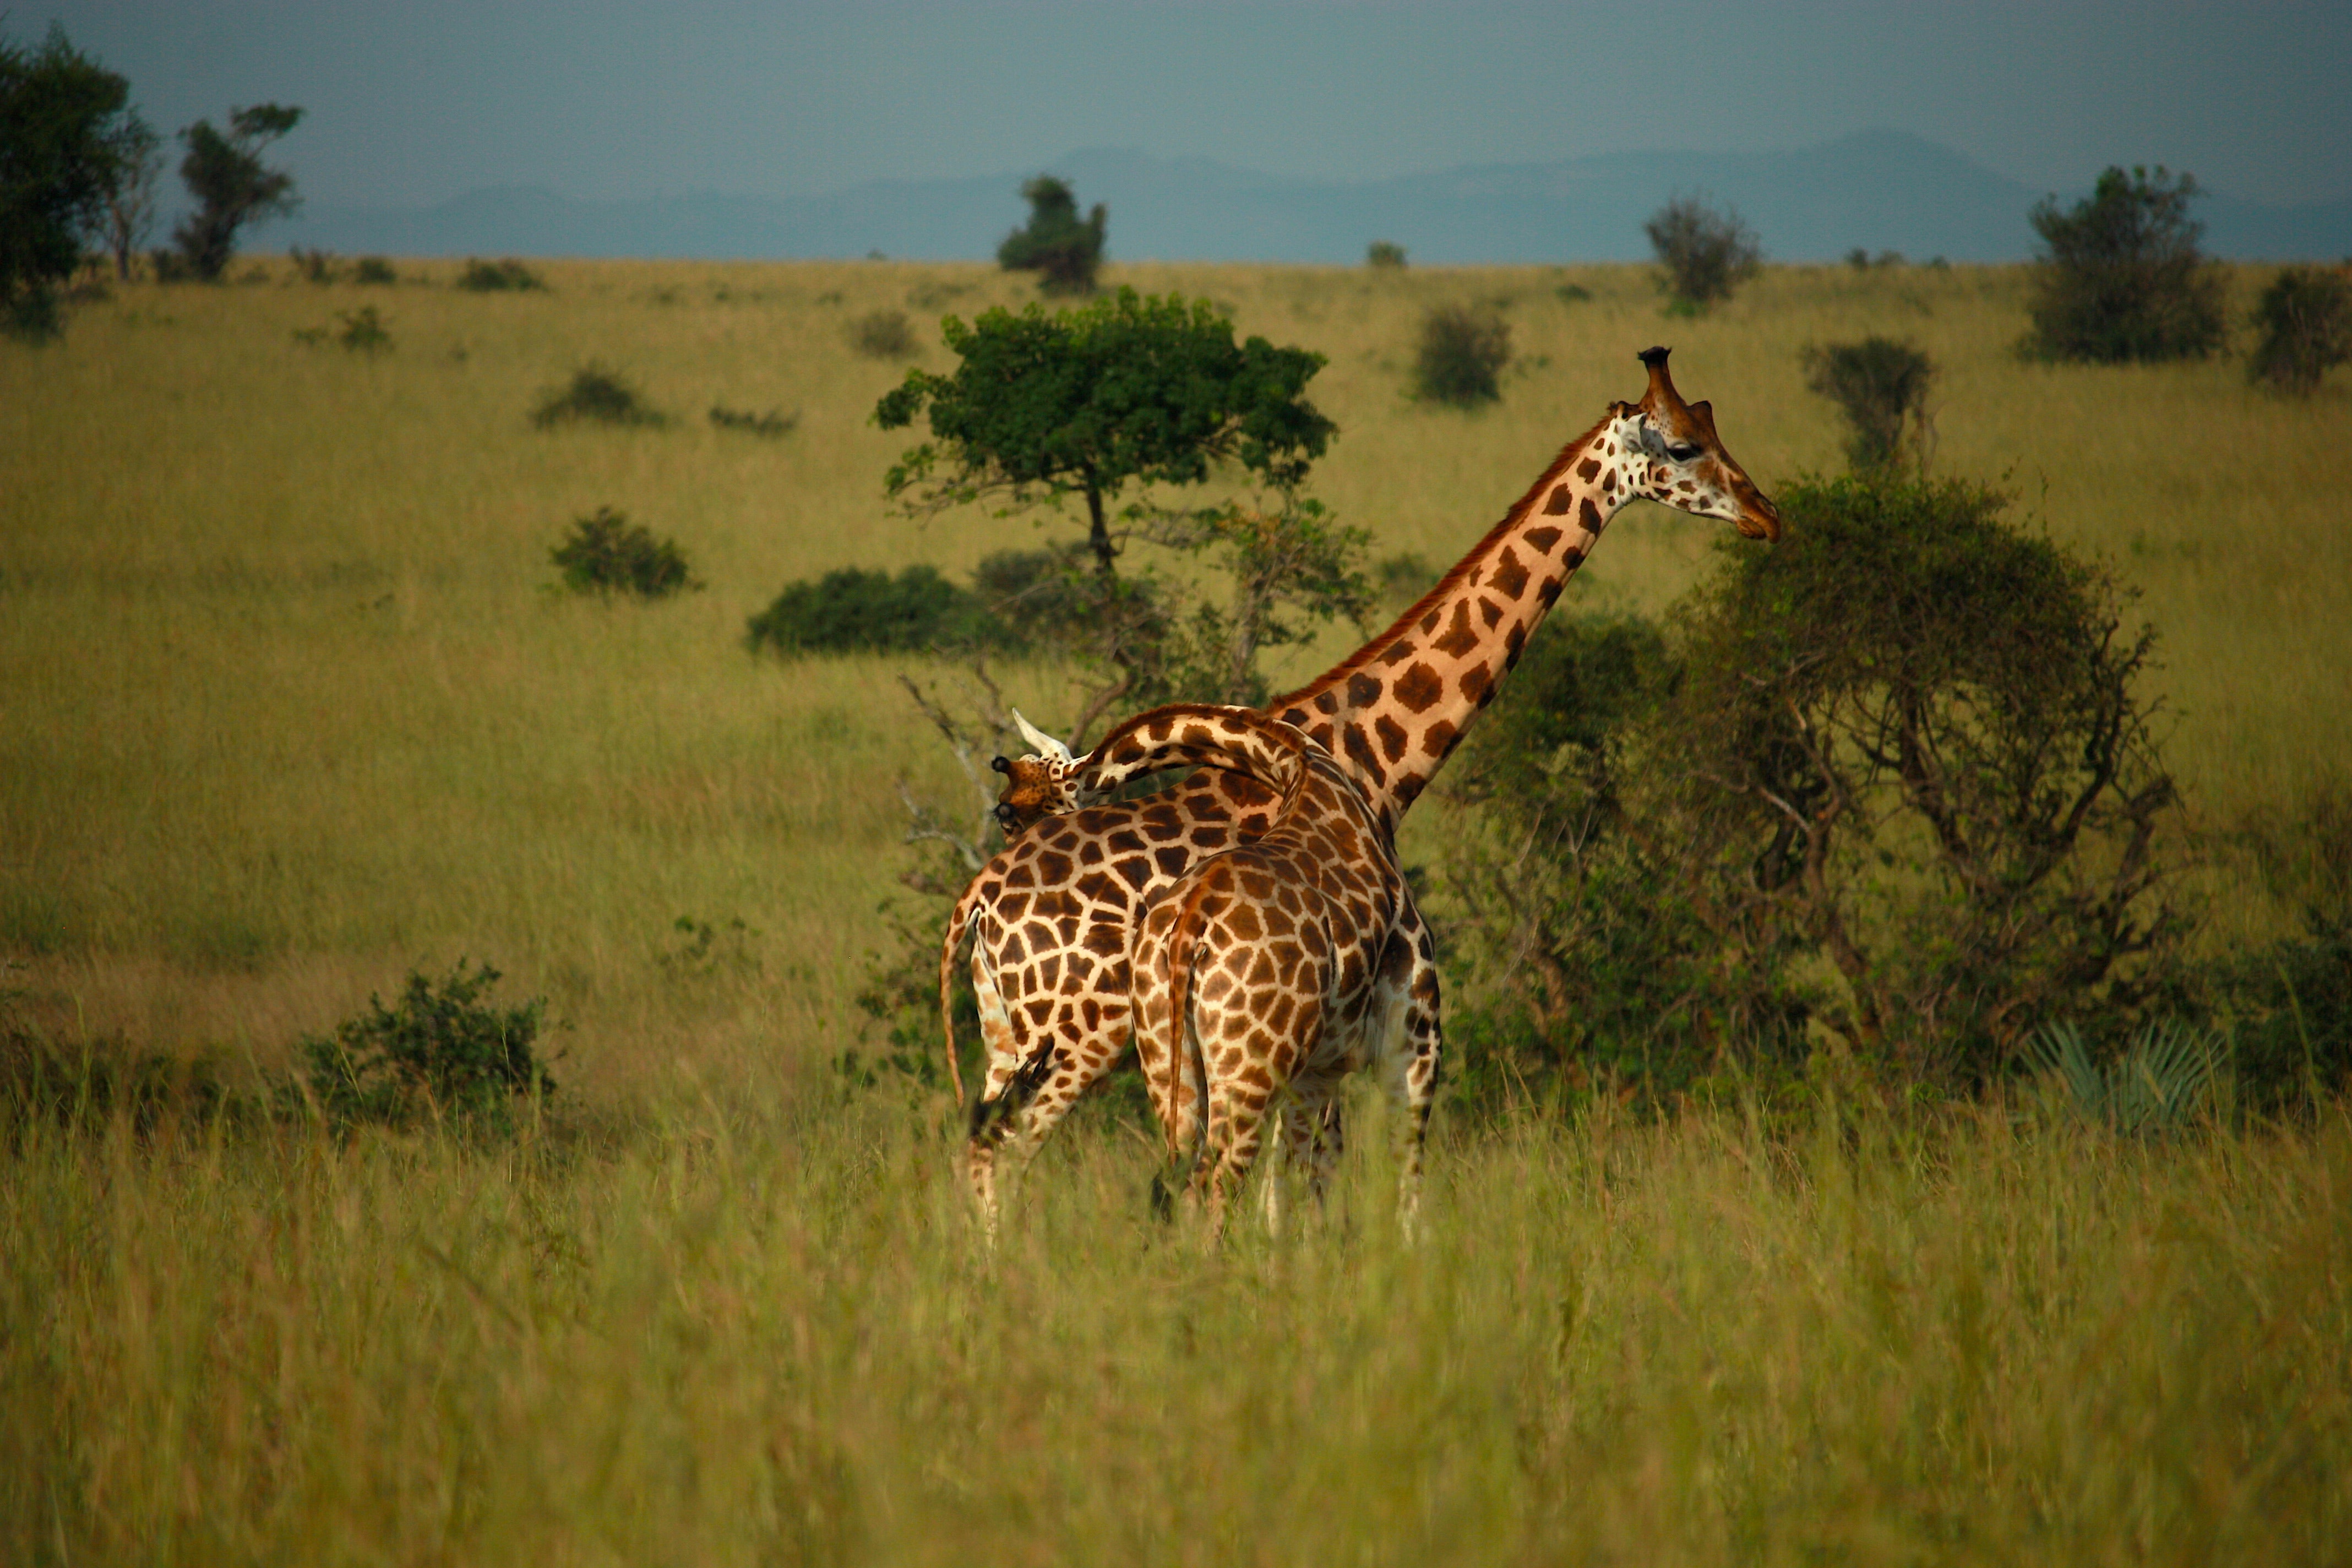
771	426
1462	351
1064	250
606	553
1703	254
2122	279
1084	401
1861	260
1905	749
508	277
2289	1003
363	331
1402	578
883	334
1881	387
232	187
317	265
60	159
2154	1087
855	611
598	395
372	269
87	1086
2306	321
1383	255
438	1052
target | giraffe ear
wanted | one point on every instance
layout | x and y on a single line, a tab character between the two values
1046	745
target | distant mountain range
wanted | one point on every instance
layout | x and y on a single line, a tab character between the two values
1879	190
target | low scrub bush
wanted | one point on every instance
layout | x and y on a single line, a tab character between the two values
2304	318
1703	254
855	611
507	277
363	331
440	1052
1880	386
883	334
1460	356
597	395
605	554
771	426
2156	1085
1384	255
2121	279
373	269
317	265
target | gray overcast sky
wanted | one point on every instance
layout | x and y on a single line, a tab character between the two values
414	102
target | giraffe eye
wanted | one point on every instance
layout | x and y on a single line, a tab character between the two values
1681	453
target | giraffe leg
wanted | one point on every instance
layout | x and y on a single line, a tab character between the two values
1313	1137
1413	1076
1003	1050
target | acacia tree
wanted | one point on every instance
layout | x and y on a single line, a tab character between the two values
2122	279
232	186
1128	390
1703	254
136	147
1064	249
57	164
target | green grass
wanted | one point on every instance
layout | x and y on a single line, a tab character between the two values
287	710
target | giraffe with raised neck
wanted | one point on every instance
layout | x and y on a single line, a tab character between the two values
1269	972
1051	917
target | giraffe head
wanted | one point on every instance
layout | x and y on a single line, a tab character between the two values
1038	785
1674	457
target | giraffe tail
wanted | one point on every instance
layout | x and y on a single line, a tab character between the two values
1185	942
959	923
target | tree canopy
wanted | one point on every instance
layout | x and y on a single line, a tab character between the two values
57	162
1062	249
1127	389
2122	278
232	186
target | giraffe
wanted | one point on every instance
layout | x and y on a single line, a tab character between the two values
1051	917
1270	970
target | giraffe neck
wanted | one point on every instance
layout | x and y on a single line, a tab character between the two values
1395	711
1194	734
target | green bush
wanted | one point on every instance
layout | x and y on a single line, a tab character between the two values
2122	279
438	1052
1065	250
363	331
1703	254
498	278
1893	784
771	426
372	269
854	611
606	554
2155	1086
882	335
1881	387
1460	356
317	265
597	395
2306	321
1384	255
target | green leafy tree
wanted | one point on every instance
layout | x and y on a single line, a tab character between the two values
2306	321
1703	254
232	187
1062	249
59	159
1880	386
2122	279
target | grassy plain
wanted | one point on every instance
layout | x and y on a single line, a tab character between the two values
286	708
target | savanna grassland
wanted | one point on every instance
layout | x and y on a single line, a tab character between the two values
289	707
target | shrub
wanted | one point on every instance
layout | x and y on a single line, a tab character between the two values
1384	255
317	265
882	335
1704	253
2122	279
2153	1087
855	611
363	331
1463	352
1881	387
606	553
597	393
1891	783
499	276
372	269
438	1052
1064	250
2306	321
1861	260
775	423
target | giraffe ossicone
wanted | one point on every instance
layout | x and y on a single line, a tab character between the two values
1053	918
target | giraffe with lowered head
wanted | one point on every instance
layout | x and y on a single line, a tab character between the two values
1051	917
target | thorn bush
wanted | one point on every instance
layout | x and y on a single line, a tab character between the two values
856	611
883	334
2122	279
372	269
596	394
1462	355
1880	386
772	425
499	276
438	1051
606	553
1703	254
2306	321
1384	255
